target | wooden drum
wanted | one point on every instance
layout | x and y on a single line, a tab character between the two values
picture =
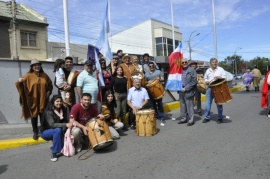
220	91
99	134
146	123
156	89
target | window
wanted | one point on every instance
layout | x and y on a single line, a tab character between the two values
159	40
29	39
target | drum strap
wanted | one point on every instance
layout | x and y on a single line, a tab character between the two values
88	156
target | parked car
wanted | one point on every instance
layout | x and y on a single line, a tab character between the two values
238	76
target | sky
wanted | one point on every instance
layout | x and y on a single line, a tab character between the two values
242	26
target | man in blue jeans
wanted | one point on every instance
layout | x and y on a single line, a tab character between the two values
211	74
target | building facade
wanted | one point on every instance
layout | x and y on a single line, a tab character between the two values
28	39
152	36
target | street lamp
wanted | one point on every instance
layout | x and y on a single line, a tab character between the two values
190	50
235	63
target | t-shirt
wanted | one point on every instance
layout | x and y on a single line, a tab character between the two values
151	76
58	75
82	115
119	85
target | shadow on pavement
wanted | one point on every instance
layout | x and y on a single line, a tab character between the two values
3	168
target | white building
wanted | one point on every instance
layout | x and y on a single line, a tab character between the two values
152	36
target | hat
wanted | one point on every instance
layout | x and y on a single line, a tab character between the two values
34	61
193	62
125	56
146	54
115	57
88	62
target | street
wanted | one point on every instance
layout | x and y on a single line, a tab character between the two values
237	148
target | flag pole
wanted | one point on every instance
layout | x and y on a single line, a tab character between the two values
109	16
214	27
172	25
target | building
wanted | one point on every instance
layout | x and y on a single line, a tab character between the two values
152	36
57	50
30	37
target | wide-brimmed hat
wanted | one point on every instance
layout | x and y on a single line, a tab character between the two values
126	56
34	61
193	62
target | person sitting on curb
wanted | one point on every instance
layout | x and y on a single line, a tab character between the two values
79	116
54	123
137	99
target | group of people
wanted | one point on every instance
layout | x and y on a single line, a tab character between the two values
252	76
121	94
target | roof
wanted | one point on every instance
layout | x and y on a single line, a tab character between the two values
24	13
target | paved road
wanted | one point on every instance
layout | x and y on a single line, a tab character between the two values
238	148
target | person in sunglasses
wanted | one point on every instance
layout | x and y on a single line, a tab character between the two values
187	93
157	104
106	75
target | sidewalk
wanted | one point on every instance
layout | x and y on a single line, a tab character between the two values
17	135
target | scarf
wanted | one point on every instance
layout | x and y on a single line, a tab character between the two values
60	115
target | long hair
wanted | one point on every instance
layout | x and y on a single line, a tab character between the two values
110	105
115	72
57	64
50	106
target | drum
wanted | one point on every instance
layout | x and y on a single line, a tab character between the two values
201	86
156	89
220	91
139	75
99	134
146	123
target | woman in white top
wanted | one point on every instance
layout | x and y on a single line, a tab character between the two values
61	81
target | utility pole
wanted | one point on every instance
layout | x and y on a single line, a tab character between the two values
13	10
189	43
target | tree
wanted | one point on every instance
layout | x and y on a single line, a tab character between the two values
261	63
229	64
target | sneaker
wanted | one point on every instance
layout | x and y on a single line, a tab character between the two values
125	128
219	121
268	115
199	111
205	121
54	158
132	127
162	124
173	119
163	121
79	148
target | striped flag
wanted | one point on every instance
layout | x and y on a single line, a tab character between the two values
174	82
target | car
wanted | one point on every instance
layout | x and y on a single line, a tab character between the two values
239	76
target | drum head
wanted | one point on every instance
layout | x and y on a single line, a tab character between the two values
146	111
103	145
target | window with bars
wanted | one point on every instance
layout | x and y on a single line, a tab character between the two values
28	39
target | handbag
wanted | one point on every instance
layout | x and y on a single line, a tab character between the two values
68	149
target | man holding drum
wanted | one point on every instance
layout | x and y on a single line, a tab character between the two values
157	104
213	73
79	116
137	99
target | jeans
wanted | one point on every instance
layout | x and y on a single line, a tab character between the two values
158	107
57	137
121	104
209	99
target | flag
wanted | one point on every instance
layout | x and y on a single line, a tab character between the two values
174	82
103	42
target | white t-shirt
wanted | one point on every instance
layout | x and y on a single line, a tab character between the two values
58	75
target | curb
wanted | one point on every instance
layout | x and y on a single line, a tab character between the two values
14	143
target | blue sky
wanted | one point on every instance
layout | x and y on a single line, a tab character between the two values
240	23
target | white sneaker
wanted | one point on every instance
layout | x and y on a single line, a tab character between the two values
54	158
162	124
268	115
79	148
173	119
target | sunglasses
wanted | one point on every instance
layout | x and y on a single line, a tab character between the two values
151	66
184	62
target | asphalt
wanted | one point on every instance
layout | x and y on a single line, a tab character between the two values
17	135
